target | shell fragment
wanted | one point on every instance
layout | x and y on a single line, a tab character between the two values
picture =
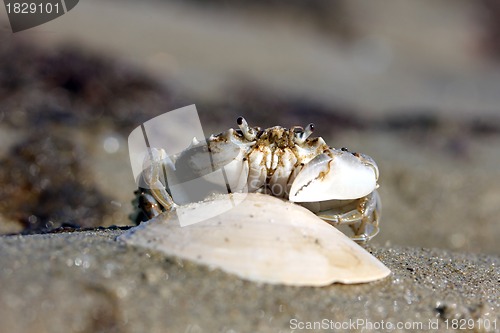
262	239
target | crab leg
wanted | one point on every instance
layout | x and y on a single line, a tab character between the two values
149	205
363	220
151	175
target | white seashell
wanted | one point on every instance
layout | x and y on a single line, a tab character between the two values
262	239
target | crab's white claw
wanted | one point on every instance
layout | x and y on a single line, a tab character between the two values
338	174
221	153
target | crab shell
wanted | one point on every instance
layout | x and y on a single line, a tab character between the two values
262	239
307	172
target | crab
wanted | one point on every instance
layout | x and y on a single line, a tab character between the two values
338	185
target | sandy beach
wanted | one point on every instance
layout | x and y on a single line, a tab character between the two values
87	282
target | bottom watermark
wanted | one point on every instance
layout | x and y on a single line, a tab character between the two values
382	325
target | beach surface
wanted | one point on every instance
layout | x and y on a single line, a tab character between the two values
86	281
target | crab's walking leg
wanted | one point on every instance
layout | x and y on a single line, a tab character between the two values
363	220
149	205
153	166
368	227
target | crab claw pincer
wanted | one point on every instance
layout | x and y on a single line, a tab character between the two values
335	174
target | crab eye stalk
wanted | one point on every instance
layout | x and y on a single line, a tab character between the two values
301	134
248	132
309	130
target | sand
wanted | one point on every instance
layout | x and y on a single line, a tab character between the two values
88	282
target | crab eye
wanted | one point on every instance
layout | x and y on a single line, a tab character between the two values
248	132
309	130
298	134
301	134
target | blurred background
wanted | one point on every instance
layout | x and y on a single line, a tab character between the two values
413	83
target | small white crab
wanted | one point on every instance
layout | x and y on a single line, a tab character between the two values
337	185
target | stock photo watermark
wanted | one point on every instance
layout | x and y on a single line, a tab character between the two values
363	324
174	166
29	14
